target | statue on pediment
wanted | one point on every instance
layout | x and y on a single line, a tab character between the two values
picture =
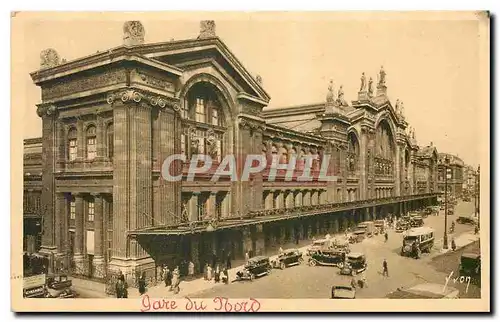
397	108
258	79
207	29
133	33
370	87
49	58
330	97
402	110
363	83
340	97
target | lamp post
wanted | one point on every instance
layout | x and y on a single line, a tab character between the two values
445	237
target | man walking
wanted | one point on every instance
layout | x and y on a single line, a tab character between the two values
386	236
228	260
385	272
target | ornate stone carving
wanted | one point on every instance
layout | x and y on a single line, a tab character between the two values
251	124
258	79
132	95
46	110
155	81
49	58
207	29
80	85
133	33
340	97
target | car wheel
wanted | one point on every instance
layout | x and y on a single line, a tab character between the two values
301	260
312	262
252	277
282	265
340	265
353	273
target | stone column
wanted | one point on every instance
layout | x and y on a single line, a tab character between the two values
210	205
307	198
195	256
193	206
79	231
289	199
98	261
374	213
60	214
101	138
298	198
225	207
269	199
314	197
280	200
335	225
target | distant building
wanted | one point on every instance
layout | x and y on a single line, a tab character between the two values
455	179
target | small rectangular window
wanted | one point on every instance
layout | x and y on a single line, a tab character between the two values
91	148
72	149
72	209
215	117
91	211
200	110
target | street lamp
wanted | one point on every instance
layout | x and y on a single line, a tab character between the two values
445	237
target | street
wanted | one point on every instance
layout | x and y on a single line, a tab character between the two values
304	281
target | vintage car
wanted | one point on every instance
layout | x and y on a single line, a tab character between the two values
289	257
402	225
470	265
417	240
255	267
355	264
343	292
59	286
357	236
451	211
328	258
380	226
466	220
319	244
425	291
416	221
368	227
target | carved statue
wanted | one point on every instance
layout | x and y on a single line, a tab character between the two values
340	97
363	83
133	33
330	97
195	146
382	76
258	79
402	110
49	58
398	111
370	87
207	29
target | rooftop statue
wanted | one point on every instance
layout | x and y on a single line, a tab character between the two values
363	83
370	87
340	96
382	76
330	97
133	33
207	29
49	58
397	107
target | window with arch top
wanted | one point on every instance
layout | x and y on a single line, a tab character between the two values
91	147
72	144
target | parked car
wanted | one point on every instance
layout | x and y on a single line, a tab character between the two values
425	291
470	265
402	226
256	267
319	244
355	264
416	221
466	220
328	258
368	227
343	292
289	257
357	236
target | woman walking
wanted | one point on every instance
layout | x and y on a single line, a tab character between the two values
142	283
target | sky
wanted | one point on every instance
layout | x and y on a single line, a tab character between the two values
431	65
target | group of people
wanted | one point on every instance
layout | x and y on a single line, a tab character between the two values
171	278
218	274
121	287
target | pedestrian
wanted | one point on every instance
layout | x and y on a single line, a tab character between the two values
190	269
217	274
385	272
386	235
119	288
353	283
169	278
214	259
226	275
159	273
247	257
228	260
296	239
453	244
142	283
175	278
205	272
209	273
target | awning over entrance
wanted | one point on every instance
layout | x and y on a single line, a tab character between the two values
267	216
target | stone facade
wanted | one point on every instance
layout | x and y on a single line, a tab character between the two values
108	125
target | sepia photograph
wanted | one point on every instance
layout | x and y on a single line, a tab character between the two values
250	161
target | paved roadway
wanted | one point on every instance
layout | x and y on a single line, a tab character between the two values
315	282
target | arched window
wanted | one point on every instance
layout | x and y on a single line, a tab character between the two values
352	153
385	150
72	144
110	140
91	143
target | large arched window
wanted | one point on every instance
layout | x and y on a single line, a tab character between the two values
352	153
90	147
110	140
205	108
72	144
384	150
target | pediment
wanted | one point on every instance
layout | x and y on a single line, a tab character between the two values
197	52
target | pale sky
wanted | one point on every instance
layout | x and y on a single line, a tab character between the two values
431	65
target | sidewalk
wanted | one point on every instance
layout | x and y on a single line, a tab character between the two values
461	241
198	285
